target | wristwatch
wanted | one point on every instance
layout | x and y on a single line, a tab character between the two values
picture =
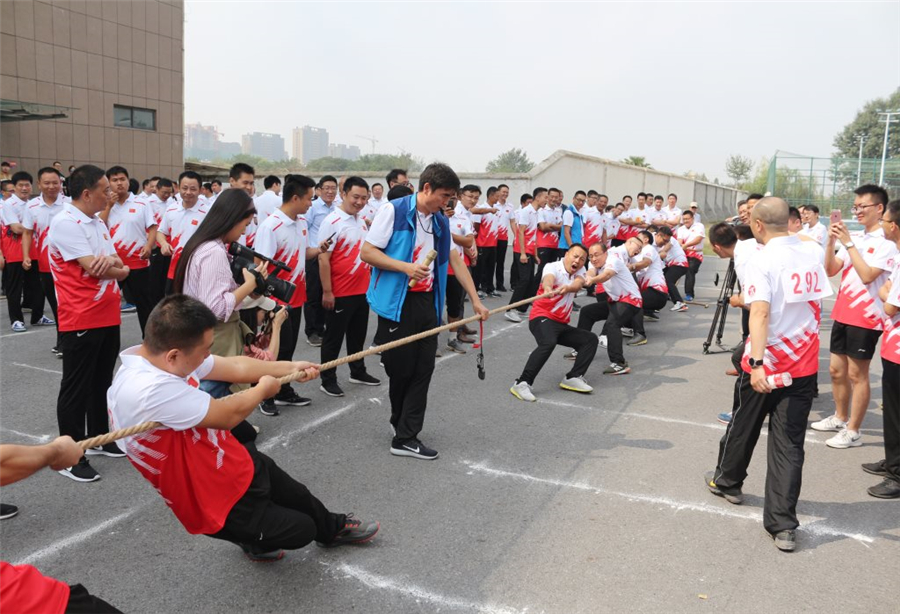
849	245
755	363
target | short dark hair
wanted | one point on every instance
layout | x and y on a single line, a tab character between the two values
723	235
328	178
5	183
536	191
642	194
46	170
298	186
4	163
84	178
491	191
603	196
743	232
394	175
133	186
557	190
592	193
628	196
155	178
812	208
21	176
665	230
355	182
502	185
524	198
893	210
794	212
377	184
178	322
577	192
658	197
163	182
117	170
579	246
470	187
439	176
145	183
191	175
646	234
673	194
399	191
755	196
269	181
207	185
688	212
216	182
239	169
879	194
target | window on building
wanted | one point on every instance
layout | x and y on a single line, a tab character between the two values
133	117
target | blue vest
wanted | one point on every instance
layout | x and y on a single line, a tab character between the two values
576	228
387	289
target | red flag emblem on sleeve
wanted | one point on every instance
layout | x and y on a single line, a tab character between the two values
194	222
132	210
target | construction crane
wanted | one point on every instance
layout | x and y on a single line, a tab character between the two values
371	139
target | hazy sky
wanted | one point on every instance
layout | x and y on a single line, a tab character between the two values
683	84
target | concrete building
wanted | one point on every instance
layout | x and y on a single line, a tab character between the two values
309	143
228	149
97	82
345	152
201	141
264	145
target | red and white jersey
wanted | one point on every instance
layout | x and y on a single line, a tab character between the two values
200	472
128	226
673	214
25	590
621	287
549	215
507	212
858	304
743	252
890	342
349	274
557	308
657	217
594	223
817	233
685	234
613	227
383	227
527	220
179	225
157	207
281	238
637	215
266	204
651	276
488	228
675	256
12	211
788	274
461	226
84	301
38	215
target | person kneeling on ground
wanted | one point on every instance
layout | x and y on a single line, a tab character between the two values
215	485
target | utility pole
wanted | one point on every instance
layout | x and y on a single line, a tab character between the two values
888	119
862	139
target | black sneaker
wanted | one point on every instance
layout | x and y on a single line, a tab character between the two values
255	555
7	511
495	294
331	389
366	380
415	449
615	368
735	498
54	349
888	489
785	541
875	468
267	408
355	531
292	398
111	450
82	472
502	289
315	340
652	317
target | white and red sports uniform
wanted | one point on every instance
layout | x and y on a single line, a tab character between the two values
651	276
675	256
25	590
788	274
743	252
613	227
594	223
266	204
655	216
200	472
557	308
639	216
506	212
128	226
857	304
890	342
527	220
818	233
349	274
488	229
85	302
12	211
685	234
621	287
380	233
38	216
461	226
673	214
281	238
157	206
179	225
548	215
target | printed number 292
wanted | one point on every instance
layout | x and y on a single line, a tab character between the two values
808	284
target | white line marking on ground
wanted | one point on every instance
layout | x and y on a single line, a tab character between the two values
27	332
37	438
815	525
418	593
375	400
626	414
19	364
62	544
284	438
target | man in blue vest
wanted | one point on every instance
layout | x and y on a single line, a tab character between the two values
573	224
408	296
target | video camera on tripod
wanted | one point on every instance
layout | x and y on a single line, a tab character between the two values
243	259
717	329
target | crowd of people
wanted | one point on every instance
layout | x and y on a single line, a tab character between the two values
223	279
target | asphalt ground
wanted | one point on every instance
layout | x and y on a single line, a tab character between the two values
577	503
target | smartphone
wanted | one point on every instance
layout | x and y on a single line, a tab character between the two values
836	216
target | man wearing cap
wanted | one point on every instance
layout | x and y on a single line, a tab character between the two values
696	211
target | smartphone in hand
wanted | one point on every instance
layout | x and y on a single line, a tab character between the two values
835	216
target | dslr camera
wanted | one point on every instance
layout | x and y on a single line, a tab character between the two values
243	258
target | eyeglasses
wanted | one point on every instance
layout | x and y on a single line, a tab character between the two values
858	208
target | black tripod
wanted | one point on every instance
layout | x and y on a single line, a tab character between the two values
722	307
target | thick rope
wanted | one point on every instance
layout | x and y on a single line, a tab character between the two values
143	427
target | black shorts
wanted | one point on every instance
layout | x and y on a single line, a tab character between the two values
853	341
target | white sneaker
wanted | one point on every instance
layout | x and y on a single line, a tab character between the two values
522	391
831	423
679	306
18	327
571	355
513	316
602	339
845	439
627	332
576	384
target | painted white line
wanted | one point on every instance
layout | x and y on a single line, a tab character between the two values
626	414
27	332
284	438
418	593
62	544
813	525
37	438
19	364
491	335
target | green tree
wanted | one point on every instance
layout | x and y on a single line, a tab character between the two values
640	161
513	161
738	168
328	163
867	124
790	184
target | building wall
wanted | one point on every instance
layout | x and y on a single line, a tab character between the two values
91	55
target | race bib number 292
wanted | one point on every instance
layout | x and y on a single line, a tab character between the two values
805	284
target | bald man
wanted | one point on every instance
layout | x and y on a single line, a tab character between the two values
785	285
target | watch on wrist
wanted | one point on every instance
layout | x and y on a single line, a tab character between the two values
849	244
754	364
